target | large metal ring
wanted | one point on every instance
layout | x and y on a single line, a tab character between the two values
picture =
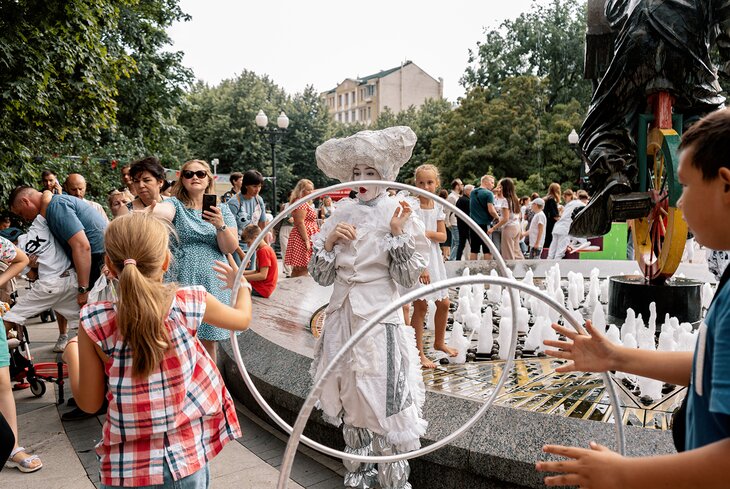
502	269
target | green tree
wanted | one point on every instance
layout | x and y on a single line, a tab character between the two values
547	42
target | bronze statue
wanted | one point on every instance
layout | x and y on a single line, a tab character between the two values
635	49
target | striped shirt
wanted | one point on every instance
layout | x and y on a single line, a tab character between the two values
181	414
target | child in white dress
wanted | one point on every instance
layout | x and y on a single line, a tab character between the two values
433	216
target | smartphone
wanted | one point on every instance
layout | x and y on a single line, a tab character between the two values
209	200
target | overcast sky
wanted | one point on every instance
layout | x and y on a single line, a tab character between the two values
322	42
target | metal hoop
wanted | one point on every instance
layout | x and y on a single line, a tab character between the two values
502	268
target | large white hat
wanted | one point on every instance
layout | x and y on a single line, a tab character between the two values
386	150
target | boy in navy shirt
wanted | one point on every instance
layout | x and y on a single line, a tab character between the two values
704	172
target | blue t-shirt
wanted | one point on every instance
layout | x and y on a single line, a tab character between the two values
247	211
67	215
708	405
478	201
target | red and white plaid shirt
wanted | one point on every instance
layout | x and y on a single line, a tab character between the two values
182	414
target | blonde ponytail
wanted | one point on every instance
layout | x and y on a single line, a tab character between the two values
137	246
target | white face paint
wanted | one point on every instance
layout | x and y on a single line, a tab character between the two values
369	192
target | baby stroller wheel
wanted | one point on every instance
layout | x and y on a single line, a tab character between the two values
37	387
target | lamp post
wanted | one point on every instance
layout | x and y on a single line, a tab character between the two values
584	161
273	136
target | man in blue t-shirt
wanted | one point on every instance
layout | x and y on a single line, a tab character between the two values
482	211
704	172
77	226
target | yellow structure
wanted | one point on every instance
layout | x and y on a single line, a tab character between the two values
363	99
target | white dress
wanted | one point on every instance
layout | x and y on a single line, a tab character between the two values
378	385
432	252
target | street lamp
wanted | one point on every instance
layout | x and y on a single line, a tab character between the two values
273	136
585	162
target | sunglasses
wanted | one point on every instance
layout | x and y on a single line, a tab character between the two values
189	174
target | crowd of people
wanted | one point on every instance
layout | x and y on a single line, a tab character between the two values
142	300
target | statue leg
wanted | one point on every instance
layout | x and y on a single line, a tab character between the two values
358	441
392	475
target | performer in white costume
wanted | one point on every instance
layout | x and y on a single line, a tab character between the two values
365	248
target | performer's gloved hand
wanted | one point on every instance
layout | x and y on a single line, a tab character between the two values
343	231
400	217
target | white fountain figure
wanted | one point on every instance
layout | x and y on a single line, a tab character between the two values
687	339
674	323
652	316
486	339
539	332
560	298
504	337
529	280
666	341
472	321
458	342
494	293
629	327
650	387
429	322
477	297
462	308
645	336
613	334
599	318
593	291
574	298
707	294
523	319
603	297
577	315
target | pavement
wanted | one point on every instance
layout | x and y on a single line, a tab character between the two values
67	448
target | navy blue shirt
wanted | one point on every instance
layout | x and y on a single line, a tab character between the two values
67	215
708	406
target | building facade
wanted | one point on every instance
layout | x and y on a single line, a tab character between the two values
363	99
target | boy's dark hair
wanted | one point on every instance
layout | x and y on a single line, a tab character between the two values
252	177
709	140
250	232
148	164
235	176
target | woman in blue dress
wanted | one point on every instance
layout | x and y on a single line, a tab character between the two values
202	238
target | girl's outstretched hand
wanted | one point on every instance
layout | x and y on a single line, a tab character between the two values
227	272
594	468
591	352
399	219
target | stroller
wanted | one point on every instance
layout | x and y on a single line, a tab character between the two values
27	374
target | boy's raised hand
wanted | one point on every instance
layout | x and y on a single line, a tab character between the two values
594	468
591	352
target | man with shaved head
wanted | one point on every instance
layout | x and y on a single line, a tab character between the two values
75	185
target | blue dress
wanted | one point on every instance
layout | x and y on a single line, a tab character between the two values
194	250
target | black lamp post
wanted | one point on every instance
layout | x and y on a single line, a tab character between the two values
584	162
273	136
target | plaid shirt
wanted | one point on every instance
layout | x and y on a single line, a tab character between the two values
182	414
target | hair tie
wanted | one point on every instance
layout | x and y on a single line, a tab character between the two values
130	261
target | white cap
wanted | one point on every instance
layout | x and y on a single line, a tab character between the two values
539	202
386	150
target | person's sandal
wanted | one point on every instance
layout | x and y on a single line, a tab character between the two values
25	465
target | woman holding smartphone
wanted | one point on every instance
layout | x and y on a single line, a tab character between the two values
202	238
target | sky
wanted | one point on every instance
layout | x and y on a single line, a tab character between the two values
322	42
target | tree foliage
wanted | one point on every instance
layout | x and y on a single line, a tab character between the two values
547	42
88	78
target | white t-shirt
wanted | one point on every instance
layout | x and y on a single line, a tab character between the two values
450	216
537	219
52	260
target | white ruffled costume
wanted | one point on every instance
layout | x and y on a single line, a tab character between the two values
378	387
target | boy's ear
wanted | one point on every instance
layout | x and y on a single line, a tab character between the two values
112	270
166	263
724	175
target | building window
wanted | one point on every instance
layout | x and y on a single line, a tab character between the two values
369	113
339	101
347	99
353	98
369	91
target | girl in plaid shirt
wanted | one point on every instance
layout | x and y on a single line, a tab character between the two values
169	412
